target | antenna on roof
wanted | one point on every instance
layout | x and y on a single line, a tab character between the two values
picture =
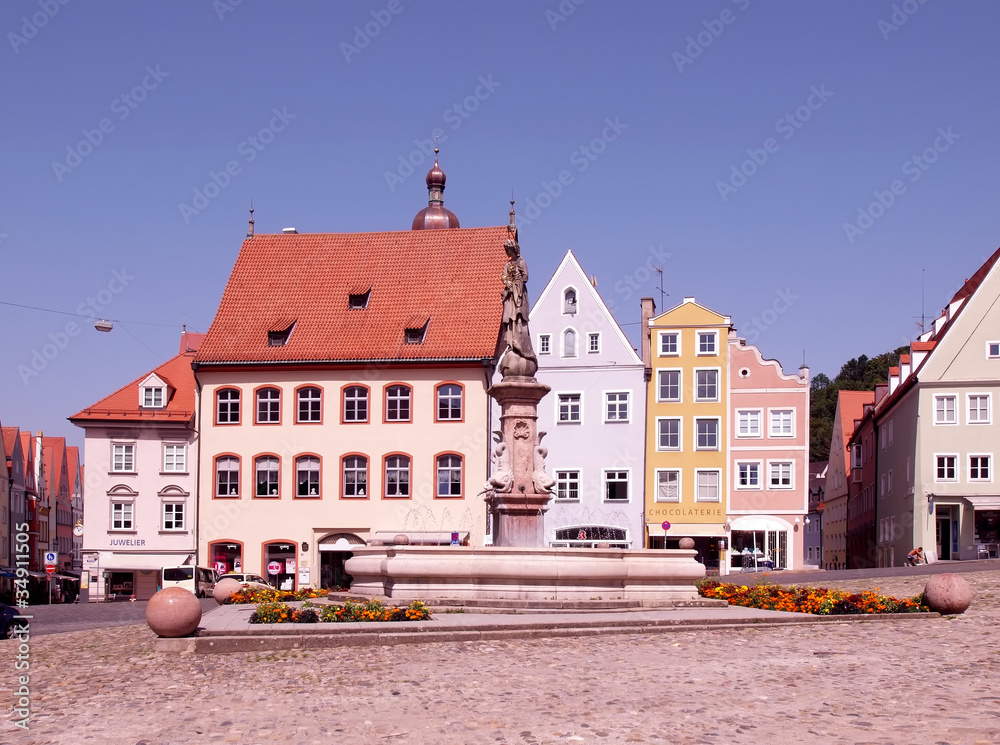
922	319
659	270
250	228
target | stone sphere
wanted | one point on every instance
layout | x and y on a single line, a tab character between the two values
224	588
173	612
401	539
947	594
687	543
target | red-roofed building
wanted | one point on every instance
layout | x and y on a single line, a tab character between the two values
850	408
343	395
939	434
75	472
140	511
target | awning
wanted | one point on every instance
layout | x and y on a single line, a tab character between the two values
7	572
68	576
757	523
680	530
421	537
983	502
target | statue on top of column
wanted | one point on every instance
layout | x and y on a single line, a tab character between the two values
515	339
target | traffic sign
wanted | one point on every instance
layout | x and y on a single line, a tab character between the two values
665	525
50	557
50	568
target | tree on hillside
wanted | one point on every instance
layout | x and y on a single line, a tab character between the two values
857	374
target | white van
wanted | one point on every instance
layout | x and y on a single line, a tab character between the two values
199	580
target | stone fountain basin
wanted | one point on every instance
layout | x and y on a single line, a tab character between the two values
491	572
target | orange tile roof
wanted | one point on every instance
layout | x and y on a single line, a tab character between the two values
9	440
922	346
54	452
72	463
123	404
973	282
450	276
190	342
852	406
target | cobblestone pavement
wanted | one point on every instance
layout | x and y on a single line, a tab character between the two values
933	681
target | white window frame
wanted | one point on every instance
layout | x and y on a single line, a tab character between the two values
779	464
718	384
989	466
441	395
272	404
627	481
888	481
968	408
753	416
304	396
237	470
127	457
357	396
737	474
773	431
127	506
567	479
400	476
697	484
715	342
545	343
889	429
659	433
359	485
718	433
570	309
680	385
441	466
939	422
627	401
397	400
656	484
593	340
183	457
945	479
154	397
304	466
677	343
579	407
174	504
993	350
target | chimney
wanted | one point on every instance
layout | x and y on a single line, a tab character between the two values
648	306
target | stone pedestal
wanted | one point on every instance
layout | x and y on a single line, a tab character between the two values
519	512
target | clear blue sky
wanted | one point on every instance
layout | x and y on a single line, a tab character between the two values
180	89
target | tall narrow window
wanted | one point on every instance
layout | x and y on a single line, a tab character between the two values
567	484
355	476
397	403
355	404
397	476
544	343
449	476
569	343
123	458
174	460
449	402
227	477
707	434
268	475
310	404
227	406
268	406
669	385
307	476
569	301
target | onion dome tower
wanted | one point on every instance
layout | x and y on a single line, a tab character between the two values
435	216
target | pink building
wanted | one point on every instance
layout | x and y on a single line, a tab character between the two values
768	460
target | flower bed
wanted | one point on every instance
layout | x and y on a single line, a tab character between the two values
257	595
371	610
816	600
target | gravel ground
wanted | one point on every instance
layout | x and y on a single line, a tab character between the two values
932	681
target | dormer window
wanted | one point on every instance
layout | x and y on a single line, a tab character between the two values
569	301
279	337
415	334
359	300
153	397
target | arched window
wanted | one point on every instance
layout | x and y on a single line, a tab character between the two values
397	476
355	476
307	476
569	343
449	476
397	403
355	404
449	402
569	301
268	475
227	408
268	406
227	476
310	404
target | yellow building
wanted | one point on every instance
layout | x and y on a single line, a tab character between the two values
685	352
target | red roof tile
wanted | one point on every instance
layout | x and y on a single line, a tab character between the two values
852	406
190	342
973	282
922	346
54	453
123	404
451	277
72	463
9	439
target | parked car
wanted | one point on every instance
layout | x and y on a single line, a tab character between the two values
7	622
248	580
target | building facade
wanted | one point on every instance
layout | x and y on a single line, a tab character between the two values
850	408
938	433
594	416
141	447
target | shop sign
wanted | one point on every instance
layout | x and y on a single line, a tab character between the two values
289	566
274	567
